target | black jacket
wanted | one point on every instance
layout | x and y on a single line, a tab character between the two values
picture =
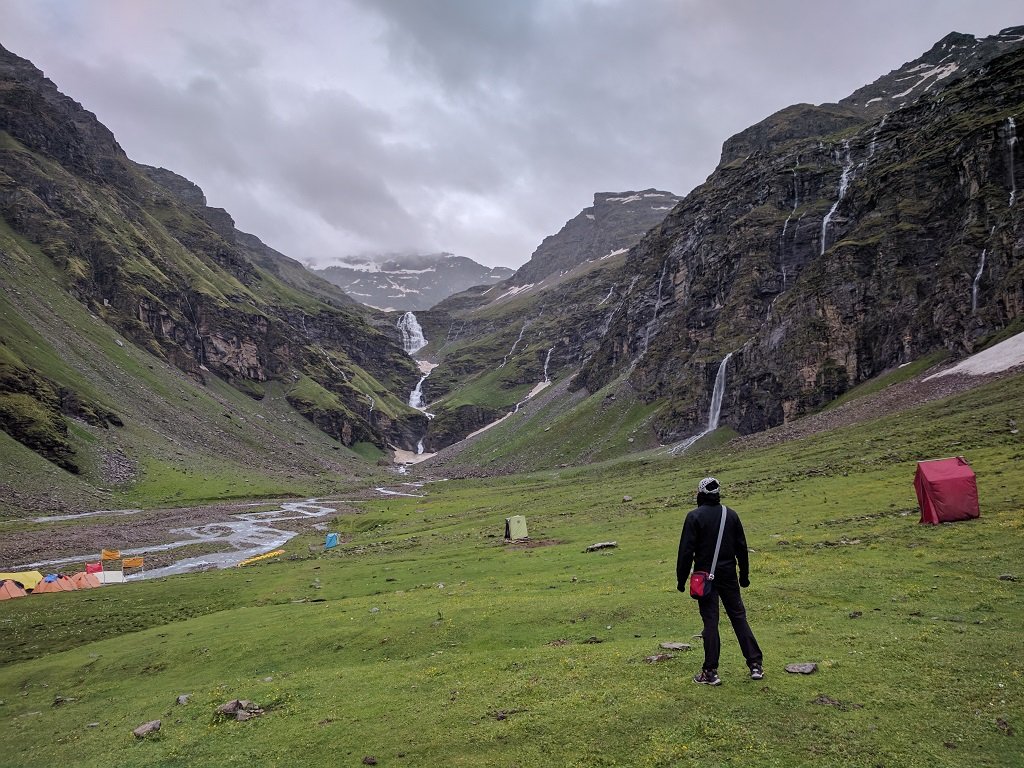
697	545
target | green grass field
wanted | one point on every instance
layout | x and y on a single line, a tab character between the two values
425	640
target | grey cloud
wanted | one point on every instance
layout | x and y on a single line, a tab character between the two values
463	125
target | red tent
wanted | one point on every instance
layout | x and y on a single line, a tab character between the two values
946	490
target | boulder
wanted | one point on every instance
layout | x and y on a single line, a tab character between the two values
146	728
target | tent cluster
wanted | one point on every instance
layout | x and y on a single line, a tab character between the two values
22	583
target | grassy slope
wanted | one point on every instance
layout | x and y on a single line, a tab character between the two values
492	668
566	429
193	442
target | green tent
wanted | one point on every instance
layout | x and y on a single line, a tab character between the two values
515	528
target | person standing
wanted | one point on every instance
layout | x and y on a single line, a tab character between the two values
697	546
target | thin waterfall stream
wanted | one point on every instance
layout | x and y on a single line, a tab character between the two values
714	412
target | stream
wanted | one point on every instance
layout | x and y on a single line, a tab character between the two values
241	536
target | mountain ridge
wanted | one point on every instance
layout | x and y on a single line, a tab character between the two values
409	282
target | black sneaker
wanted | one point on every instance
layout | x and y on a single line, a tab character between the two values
756	672
708	677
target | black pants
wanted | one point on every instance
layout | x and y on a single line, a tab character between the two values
729	592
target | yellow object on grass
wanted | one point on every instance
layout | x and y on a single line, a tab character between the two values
27	579
267	556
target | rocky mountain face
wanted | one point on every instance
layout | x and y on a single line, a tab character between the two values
828	253
286	269
952	58
138	249
831	244
411	282
612	225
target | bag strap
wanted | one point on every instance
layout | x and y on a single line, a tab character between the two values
718	544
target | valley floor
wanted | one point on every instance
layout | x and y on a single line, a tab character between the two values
425	640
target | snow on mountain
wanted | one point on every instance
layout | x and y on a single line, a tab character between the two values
409	282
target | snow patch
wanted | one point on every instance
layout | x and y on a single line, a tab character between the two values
408	457
515	290
939	73
619	252
1003	356
484	429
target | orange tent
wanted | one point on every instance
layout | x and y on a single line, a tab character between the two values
83	580
60	584
10	590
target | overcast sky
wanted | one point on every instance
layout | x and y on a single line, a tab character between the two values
338	127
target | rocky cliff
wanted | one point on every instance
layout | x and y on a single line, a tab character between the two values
139	249
952	58
827	253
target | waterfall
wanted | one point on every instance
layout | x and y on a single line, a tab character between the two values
974	285
785	226
416	396
1011	143
610	292
413	339
514	345
844	182
717	394
657	306
547	379
874	136
419	447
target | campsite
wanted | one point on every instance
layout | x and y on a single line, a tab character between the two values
424	639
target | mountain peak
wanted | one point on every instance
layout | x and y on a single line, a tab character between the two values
951	58
613	224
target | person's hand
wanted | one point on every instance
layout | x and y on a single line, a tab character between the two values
745	581
681	587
